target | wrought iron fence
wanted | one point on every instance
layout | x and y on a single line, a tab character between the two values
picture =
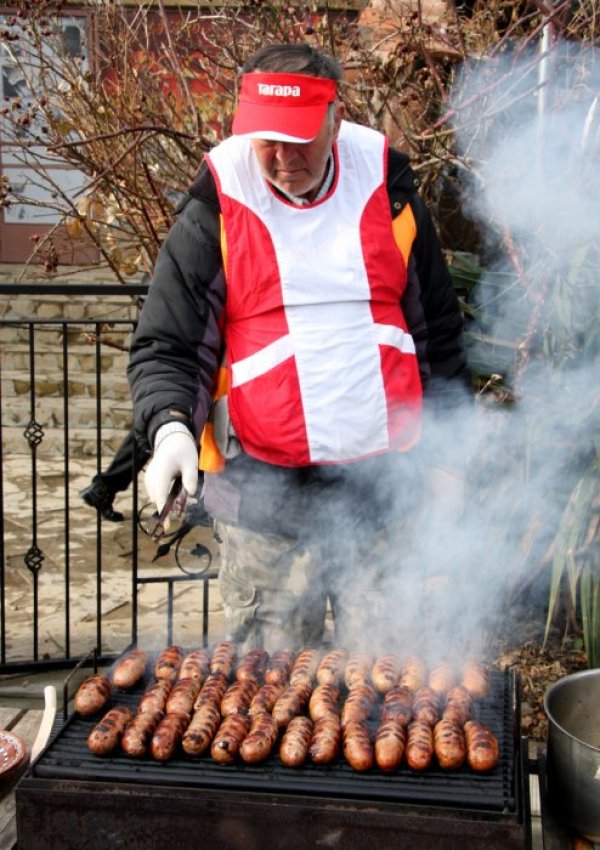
69	580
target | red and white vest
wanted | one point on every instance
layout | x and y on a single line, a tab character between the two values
321	366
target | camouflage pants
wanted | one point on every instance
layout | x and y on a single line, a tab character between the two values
276	590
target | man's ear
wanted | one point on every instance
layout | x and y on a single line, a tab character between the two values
340	111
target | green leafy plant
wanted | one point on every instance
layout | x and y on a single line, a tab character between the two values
576	560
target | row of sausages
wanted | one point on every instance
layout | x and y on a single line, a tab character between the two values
295	699
336	667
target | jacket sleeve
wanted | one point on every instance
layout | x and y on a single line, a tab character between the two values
175	351
429	303
441	327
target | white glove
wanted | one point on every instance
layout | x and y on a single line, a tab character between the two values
175	453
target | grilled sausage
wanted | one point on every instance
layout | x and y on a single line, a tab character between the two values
266	697
195	665
229	737
326	740
397	705
223	658
483	751
442	678
92	694
390	742
358	668
419	745
130	669
168	663
293	749
105	735
331	667
201	730
252	665
385	673
167	736
358	749
155	696
291	702
459	705
213	691
237	697
476	679
359	704
183	696
259	742
449	744
138	732
279	667
305	667
413	674
324	701
426	706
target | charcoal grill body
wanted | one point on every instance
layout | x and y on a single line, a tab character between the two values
72	800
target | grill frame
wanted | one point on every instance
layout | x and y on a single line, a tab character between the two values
139	802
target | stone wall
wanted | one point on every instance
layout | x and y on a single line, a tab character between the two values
82	385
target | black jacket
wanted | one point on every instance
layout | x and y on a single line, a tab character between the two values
177	346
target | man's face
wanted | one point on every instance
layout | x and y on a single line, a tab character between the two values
299	169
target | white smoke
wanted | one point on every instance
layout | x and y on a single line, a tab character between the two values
528	130
531	175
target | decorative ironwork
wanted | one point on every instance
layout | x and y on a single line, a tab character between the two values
192	559
34	559
34	433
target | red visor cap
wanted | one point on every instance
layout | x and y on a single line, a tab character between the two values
282	107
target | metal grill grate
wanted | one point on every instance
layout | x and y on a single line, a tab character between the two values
67	757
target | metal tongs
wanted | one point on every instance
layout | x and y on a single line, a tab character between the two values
174	507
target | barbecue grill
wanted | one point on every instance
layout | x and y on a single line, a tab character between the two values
74	800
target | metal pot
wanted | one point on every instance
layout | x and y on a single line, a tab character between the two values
573	708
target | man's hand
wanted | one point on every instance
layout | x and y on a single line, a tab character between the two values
175	453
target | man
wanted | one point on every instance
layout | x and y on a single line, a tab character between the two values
306	263
102	490
116	478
